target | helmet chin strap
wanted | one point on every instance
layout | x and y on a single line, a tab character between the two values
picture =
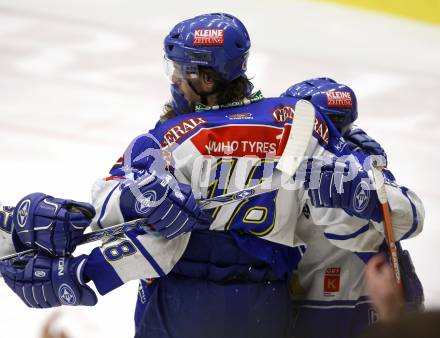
203	96
179	103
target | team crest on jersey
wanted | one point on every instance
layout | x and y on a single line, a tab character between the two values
179	130
209	37
361	197
339	99
280	115
332	281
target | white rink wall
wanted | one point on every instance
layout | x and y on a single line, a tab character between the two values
79	79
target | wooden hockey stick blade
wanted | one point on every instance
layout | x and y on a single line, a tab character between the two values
299	138
293	154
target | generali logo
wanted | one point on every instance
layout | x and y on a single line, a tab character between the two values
209	37
181	129
321	129
283	113
339	99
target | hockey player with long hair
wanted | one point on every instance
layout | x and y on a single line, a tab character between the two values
219	274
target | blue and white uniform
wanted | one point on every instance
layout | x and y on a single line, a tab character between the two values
241	274
328	286
230	280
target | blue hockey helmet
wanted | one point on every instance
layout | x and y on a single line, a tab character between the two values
215	40
334	99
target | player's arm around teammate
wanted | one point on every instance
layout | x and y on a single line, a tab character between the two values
333	187
328	285
218	276
54	226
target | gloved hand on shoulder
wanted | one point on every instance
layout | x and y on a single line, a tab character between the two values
166	204
342	183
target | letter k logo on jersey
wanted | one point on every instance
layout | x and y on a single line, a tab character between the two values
332	280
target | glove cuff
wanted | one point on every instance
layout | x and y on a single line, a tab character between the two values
73	290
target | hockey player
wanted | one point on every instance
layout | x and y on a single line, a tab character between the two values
328	286
217	137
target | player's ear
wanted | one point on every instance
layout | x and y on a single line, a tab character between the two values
208	82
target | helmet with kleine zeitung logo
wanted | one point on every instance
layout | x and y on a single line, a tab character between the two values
334	99
216	40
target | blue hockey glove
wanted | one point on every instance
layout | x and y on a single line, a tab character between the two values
52	224
42	281
360	141
342	183
167	205
412	287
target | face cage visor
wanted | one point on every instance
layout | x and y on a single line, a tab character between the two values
176	72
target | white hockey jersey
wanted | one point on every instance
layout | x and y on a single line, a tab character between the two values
221	151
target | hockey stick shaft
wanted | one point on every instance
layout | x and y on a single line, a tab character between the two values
392	248
100	235
388	224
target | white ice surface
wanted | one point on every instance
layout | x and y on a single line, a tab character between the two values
79	79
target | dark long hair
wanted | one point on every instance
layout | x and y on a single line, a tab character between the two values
227	92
